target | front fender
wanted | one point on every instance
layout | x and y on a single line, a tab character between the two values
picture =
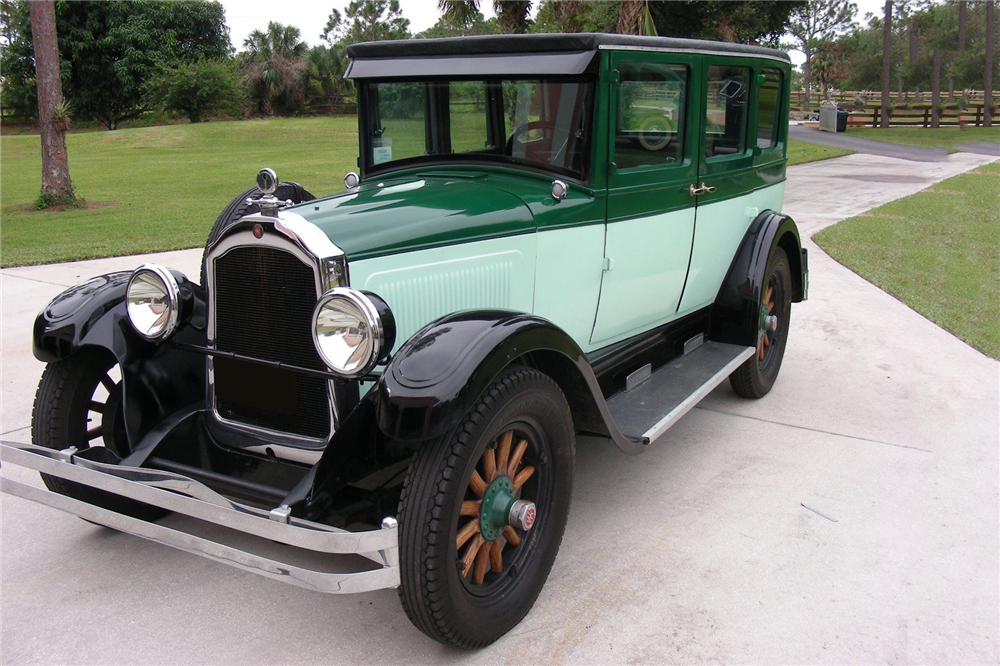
157	380
734	315
440	372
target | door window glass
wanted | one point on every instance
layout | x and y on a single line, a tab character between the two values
726	121
651	100
767	109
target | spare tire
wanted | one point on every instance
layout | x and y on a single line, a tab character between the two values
238	208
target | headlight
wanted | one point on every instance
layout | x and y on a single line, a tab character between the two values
153	302
352	331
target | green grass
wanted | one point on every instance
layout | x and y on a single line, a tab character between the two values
942	137
938	251
160	188
800	152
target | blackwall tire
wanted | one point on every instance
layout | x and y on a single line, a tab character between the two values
64	401
756	377
445	600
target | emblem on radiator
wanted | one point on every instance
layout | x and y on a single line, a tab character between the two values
258	231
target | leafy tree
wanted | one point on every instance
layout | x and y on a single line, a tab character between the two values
275	68
574	16
199	88
18	88
110	50
815	22
743	21
366	21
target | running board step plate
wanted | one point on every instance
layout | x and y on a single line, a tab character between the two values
649	409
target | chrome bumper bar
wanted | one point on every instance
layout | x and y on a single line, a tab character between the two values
186	496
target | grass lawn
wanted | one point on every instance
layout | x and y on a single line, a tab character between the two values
800	152
161	188
938	251
942	137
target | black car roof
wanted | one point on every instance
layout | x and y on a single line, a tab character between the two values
546	43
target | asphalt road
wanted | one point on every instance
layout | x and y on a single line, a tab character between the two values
700	550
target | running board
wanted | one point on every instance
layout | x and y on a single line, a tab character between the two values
648	410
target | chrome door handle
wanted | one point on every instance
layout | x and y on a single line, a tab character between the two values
702	189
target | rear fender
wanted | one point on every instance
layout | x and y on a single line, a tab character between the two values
157	380
734	315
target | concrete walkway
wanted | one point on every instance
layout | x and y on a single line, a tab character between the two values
700	550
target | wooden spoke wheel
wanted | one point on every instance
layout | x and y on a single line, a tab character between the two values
754	378
493	495
483	510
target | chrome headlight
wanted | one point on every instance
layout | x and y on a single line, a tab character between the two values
152	301
352	331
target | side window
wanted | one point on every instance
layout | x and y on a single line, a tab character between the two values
650	126
726	110
768	107
467	112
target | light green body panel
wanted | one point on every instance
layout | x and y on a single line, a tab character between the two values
719	230
568	279
422	285
648	259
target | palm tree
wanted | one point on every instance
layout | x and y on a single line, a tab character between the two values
511	14
57	188
886	61
275	68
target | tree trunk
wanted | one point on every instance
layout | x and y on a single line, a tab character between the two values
961	25
936	90
911	34
988	83
630	17
806	80
886	62
55	161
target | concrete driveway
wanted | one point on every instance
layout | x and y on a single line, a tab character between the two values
700	550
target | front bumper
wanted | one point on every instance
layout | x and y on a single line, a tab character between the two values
182	495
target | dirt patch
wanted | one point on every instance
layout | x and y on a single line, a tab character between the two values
90	205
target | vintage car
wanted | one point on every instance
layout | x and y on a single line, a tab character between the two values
552	241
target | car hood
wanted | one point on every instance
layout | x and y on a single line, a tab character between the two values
417	212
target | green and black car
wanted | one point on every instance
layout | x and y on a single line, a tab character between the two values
552	241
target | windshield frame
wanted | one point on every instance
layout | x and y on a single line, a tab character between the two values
366	111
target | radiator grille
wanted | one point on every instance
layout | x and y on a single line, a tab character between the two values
264	301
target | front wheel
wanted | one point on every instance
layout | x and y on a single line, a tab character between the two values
755	378
483	511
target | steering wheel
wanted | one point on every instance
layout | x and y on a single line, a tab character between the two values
544	125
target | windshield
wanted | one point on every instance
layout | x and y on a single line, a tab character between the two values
537	123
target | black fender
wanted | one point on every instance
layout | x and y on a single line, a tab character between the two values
438	374
158	380
734	315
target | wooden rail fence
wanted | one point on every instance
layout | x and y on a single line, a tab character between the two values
920	116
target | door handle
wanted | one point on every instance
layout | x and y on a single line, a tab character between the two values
702	189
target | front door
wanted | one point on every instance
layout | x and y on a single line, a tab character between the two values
650	223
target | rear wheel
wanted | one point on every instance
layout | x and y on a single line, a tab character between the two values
755	378
79	404
483	511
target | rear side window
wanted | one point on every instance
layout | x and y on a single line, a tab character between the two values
650	126
768	108
726	110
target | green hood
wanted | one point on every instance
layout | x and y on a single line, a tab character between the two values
416	212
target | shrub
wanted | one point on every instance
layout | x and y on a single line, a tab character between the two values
198	89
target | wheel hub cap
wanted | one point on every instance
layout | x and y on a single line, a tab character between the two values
497	504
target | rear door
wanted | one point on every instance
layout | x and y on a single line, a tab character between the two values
737	185
653	163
